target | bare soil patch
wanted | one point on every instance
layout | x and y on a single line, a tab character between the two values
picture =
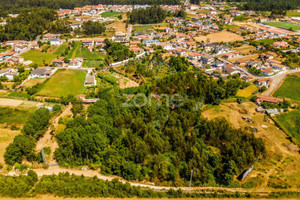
223	36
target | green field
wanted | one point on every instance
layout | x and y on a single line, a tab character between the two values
92	63
285	25
14	115
64	83
247	92
78	51
289	89
229	26
142	27
264	41
293	14
290	121
41	58
111	14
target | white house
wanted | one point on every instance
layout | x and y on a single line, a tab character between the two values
150	42
55	42
75	26
41	73
76	63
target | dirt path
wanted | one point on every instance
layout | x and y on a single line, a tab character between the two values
48	140
93	173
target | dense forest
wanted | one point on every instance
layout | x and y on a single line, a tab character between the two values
157	142
270	5
28	25
152	15
262	5
116	51
19	5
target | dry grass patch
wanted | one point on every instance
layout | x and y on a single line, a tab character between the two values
280	161
33	82
223	36
6	137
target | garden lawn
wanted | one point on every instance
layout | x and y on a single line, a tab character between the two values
64	83
247	92
111	14
285	25
290	122
289	89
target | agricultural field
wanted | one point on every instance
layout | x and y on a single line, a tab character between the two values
247	92
285	25
223	36
64	83
290	121
6	137
293	14
78	51
111	14
43	58
14	115
289	89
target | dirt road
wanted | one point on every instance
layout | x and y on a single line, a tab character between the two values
48	140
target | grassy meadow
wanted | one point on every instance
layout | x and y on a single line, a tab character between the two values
247	92
42	58
289	89
290	121
64	83
111	14
14	115
285	25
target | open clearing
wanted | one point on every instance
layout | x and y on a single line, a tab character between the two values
290	88
20	103
111	14
247	92
32	82
282	160
223	36
64	83
6	137
285	25
14	115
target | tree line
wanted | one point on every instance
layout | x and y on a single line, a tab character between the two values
27	25
66	185
152	15
16	6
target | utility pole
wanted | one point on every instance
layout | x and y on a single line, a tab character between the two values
191	180
43	154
